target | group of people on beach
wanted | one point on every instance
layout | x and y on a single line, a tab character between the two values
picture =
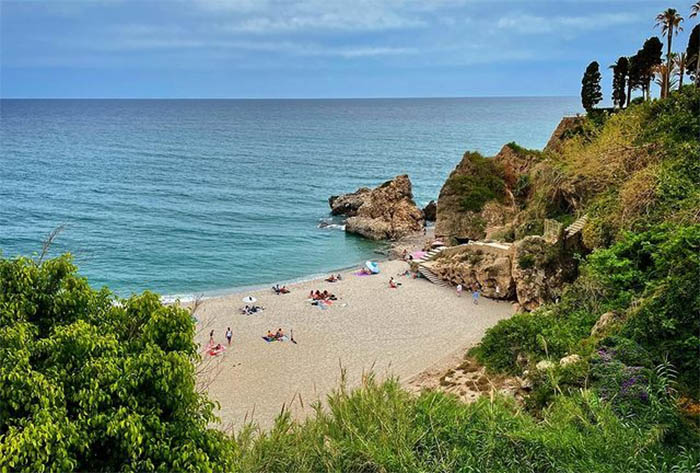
278	335
280	290
322	296
334	278
251	309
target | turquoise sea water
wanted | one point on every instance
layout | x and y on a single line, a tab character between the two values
190	196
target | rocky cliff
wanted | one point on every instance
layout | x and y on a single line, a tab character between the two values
482	195
386	212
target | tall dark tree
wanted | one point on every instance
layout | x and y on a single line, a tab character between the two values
649	57
633	76
692	52
670	21
620	71
590	87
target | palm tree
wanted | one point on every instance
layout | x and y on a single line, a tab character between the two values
694	10
670	22
679	61
663	77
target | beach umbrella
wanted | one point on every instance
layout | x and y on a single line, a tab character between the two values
372	266
249	300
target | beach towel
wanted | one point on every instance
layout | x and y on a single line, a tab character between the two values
284	338
213	351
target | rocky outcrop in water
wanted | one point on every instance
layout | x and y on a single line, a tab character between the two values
385	213
430	211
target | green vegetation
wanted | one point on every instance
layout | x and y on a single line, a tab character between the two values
89	382
383	428
483	184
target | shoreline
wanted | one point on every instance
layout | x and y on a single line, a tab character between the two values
387	255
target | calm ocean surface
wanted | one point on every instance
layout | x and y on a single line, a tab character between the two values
190	196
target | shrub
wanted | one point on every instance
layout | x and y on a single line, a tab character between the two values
89	382
526	261
483	183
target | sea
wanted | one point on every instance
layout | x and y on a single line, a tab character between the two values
189	197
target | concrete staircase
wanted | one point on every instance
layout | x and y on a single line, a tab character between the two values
575	227
430	255
425	270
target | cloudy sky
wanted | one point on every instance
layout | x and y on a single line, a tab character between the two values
315	48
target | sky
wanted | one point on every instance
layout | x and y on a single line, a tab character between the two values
316	48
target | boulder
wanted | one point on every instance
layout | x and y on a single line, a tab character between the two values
386	212
430	211
477	266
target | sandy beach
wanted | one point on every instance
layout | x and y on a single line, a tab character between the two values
371	326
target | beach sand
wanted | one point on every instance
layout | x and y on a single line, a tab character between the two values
399	332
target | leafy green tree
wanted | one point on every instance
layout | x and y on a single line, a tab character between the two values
620	73
670	21
590	87
692	52
90	382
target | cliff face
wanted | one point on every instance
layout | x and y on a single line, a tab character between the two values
568	126
386	212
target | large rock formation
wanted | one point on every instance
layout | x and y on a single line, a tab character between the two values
481	195
387	212
531	271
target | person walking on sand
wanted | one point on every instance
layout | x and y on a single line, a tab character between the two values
229	335
211	337
475	295
459	290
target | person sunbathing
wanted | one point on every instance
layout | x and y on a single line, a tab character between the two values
276	289
331	278
284	290
392	283
338	277
318	295
279	334
270	335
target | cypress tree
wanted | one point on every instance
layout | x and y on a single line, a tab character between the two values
590	87
620	81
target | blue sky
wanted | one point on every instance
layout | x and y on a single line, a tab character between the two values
315	48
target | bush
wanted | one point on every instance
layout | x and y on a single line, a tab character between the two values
483	183
89	382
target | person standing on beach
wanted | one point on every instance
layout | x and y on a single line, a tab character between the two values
459	290
229	335
211	337
475	295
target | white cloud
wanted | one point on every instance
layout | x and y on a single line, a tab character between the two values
532	24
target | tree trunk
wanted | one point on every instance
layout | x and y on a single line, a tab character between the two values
680	79
629	92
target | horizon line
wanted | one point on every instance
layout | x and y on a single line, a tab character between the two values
296	98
